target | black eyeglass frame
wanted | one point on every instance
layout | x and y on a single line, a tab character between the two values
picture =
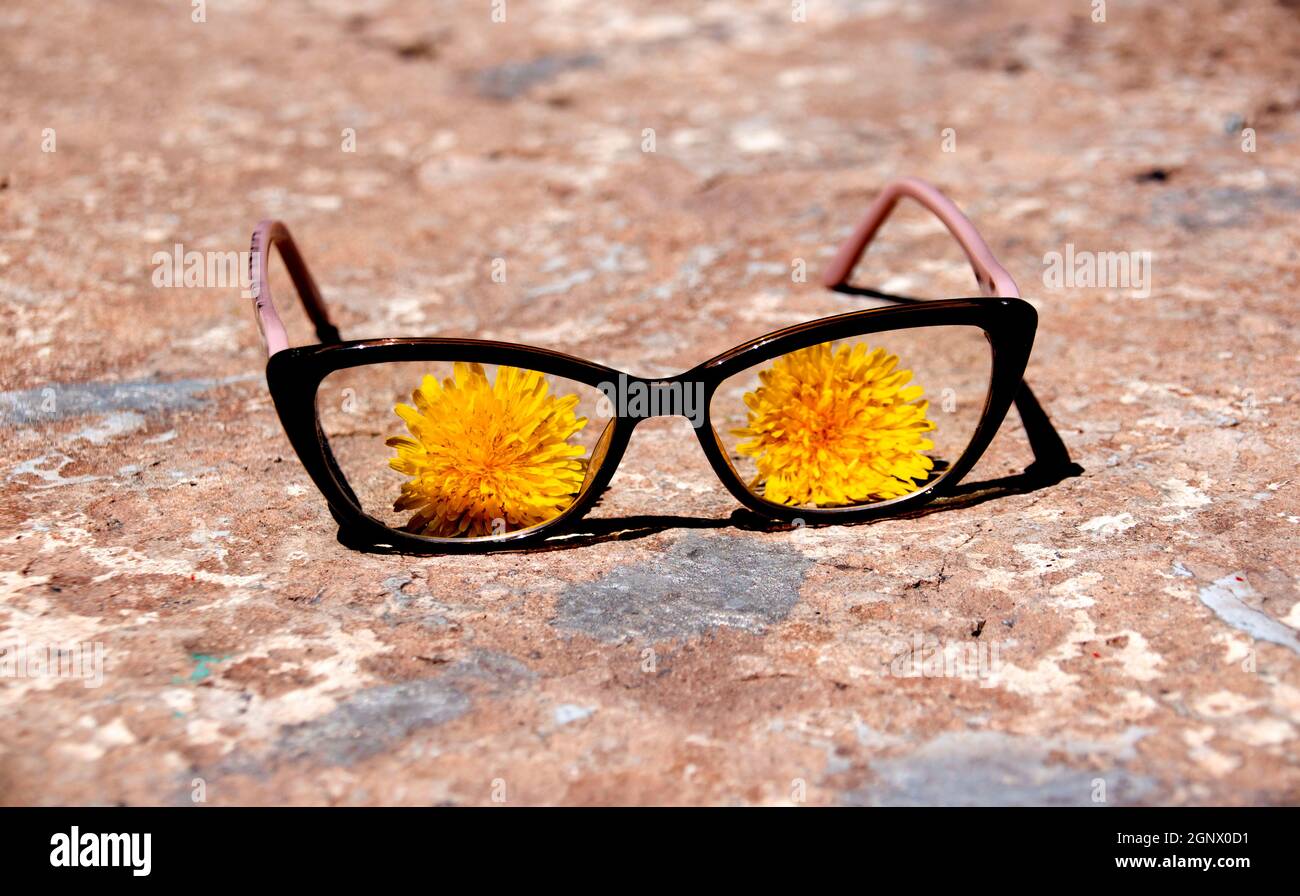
294	376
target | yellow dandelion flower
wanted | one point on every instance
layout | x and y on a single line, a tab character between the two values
835	427
487	457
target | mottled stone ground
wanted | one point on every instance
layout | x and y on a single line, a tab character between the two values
1143	616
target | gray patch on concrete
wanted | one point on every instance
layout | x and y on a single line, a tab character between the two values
1204	209
989	768
701	583
59	401
513	79
414	604
376	719
371	721
394	585
498	669
1224	597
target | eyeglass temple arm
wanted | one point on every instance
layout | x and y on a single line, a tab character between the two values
271	234
993	278
1050	454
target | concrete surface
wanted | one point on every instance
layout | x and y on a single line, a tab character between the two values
1126	636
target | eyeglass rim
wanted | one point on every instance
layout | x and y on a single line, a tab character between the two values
1000	302
294	376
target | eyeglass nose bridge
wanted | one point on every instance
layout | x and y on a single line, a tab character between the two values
637	399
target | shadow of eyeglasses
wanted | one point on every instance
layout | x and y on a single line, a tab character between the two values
1051	465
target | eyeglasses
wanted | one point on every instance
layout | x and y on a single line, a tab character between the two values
443	445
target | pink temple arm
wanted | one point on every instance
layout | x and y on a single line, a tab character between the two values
274	234
1051	457
993	278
